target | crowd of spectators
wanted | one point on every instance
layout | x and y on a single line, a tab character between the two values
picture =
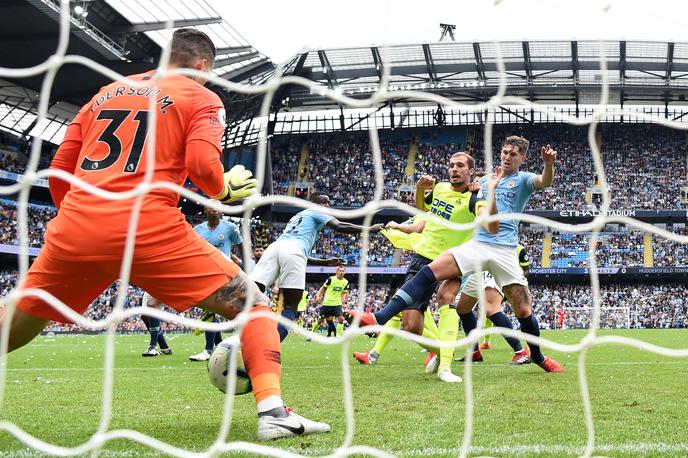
342	166
38	217
573	168
10	164
660	305
645	165
14	153
667	253
613	249
331	244
649	305
286	154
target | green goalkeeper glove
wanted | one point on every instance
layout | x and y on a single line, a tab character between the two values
239	184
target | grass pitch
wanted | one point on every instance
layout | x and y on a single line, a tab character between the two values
640	400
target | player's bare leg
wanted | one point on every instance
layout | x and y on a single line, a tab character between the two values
23	328
292	297
412	321
521	303
260	346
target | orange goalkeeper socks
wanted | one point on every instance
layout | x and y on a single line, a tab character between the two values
260	347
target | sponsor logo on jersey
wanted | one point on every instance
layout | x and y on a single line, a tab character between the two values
441	209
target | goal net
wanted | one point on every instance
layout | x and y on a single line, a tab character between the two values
591	319
581	317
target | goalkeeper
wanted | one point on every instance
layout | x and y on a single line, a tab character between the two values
107	145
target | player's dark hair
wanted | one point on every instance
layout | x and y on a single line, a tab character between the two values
515	140
318	197
469	158
189	45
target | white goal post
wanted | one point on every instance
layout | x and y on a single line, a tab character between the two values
581	317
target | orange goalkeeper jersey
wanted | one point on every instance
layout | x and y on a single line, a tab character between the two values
107	144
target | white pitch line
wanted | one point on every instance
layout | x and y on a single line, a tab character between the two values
516	450
513	450
287	367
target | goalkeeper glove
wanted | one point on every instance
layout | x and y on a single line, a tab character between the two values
239	184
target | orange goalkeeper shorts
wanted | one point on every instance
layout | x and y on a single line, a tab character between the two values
180	276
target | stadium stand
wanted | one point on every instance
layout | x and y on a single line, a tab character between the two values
617	248
651	305
635	156
645	165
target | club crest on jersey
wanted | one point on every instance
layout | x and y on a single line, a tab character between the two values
221	119
511	183
220	236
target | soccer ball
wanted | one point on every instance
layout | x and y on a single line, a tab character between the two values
218	366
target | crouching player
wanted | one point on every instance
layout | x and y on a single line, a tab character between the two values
107	145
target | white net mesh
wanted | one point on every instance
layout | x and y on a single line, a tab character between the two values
104	434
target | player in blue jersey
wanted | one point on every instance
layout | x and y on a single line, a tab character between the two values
223	235
285	259
489	250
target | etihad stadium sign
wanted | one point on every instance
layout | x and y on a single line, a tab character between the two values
594	213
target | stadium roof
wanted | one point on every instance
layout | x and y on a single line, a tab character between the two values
549	72
126	36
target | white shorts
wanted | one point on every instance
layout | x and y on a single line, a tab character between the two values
499	260
149	301
284	261
469	284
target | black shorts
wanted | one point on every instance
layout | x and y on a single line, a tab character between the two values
327	311
417	263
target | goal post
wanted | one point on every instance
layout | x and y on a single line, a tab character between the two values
581	317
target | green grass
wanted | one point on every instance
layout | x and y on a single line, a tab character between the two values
640	400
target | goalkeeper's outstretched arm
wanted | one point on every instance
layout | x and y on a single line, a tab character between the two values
202	161
206	172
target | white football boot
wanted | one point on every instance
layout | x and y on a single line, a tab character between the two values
202	356
152	351
446	376
270	427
